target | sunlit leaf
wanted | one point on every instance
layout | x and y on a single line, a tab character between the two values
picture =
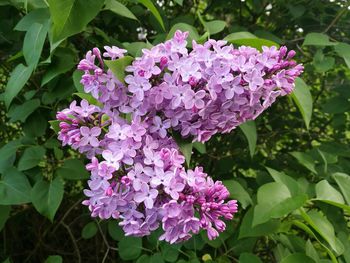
118	8
343	50
118	66
343	181
317	39
151	7
71	16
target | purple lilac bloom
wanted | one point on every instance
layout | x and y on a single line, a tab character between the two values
137	172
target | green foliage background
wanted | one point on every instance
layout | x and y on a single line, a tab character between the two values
288	169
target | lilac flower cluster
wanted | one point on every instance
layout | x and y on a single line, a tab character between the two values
138	176
211	89
137	171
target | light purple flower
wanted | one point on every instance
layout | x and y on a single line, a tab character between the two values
194	99
114	52
89	136
159	126
112	158
161	178
118	132
179	95
254	79
153	158
174	188
146	196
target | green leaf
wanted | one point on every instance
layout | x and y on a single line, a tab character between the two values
305	160
35	125
310	232
47	197
324	191
70	17
297	258
272	193
73	169
310	251
215	243
344	238
303	99
238	192
268	35
185	146
343	181
317	39
90	99
248	230
34	41
179	2
115	231
150	6
192	32
130	248
118	66
288	205
135	48
275	201
296	10
64	60
54	259
156	258
249	258
40	16
9	149
322	226
343	50
14	188
323	63
143	259
89	230
249	130
77	75
257	43
19	77
336	105
200	147
288	181
239	35
196	242
118	8
31	157
170	252
248	39
21	112
215	26
55	125
6	163
4	215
